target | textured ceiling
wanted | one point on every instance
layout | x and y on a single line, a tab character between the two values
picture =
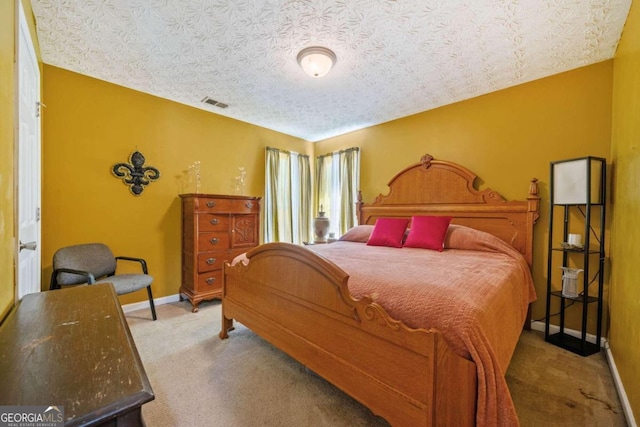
395	58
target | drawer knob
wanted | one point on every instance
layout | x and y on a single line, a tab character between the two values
214	221
214	241
249	205
211	280
211	204
211	260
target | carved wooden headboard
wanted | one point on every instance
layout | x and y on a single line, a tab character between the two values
436	187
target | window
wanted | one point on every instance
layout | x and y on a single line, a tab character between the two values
287	201
337	182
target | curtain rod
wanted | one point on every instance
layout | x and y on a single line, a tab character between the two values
339	152
278	150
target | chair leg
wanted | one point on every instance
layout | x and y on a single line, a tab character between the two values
53	284
151	304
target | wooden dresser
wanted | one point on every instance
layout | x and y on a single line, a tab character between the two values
215	229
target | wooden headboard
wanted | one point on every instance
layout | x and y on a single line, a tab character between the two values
436	187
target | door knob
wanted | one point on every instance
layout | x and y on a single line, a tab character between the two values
29	245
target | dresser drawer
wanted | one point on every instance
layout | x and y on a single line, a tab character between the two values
215	260
212	222
212	205
211	281
213	241
211	261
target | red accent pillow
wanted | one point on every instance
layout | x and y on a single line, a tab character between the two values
428	232
388	232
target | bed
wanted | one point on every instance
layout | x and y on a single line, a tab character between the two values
328	317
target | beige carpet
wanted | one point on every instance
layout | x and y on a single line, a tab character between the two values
554	387
200	380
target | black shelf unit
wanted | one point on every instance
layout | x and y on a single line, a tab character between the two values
577	189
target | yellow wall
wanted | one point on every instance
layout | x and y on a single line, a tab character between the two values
506	138
624	333
7	88
89	125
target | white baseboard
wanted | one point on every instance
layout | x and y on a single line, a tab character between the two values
128	308
622	395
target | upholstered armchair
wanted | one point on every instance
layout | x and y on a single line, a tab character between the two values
94	263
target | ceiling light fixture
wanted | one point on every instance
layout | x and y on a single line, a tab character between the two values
316	61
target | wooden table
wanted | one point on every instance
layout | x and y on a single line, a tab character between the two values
72	347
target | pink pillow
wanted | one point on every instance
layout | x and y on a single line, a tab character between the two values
359	234
388	232
428	232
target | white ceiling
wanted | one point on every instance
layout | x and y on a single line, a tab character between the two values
395	58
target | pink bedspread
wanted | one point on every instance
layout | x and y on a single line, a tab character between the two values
476	292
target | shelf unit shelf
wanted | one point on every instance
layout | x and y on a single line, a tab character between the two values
592	251
573	344
577	190
579	298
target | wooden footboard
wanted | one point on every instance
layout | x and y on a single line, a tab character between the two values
300	303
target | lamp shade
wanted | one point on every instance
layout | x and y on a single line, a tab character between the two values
316	61
578	181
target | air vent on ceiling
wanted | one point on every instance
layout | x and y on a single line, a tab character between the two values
215	103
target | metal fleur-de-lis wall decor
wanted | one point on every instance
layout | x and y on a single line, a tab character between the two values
135	174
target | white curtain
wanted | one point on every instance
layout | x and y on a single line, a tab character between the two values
287	204
337	183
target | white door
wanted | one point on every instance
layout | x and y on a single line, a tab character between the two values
29	263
